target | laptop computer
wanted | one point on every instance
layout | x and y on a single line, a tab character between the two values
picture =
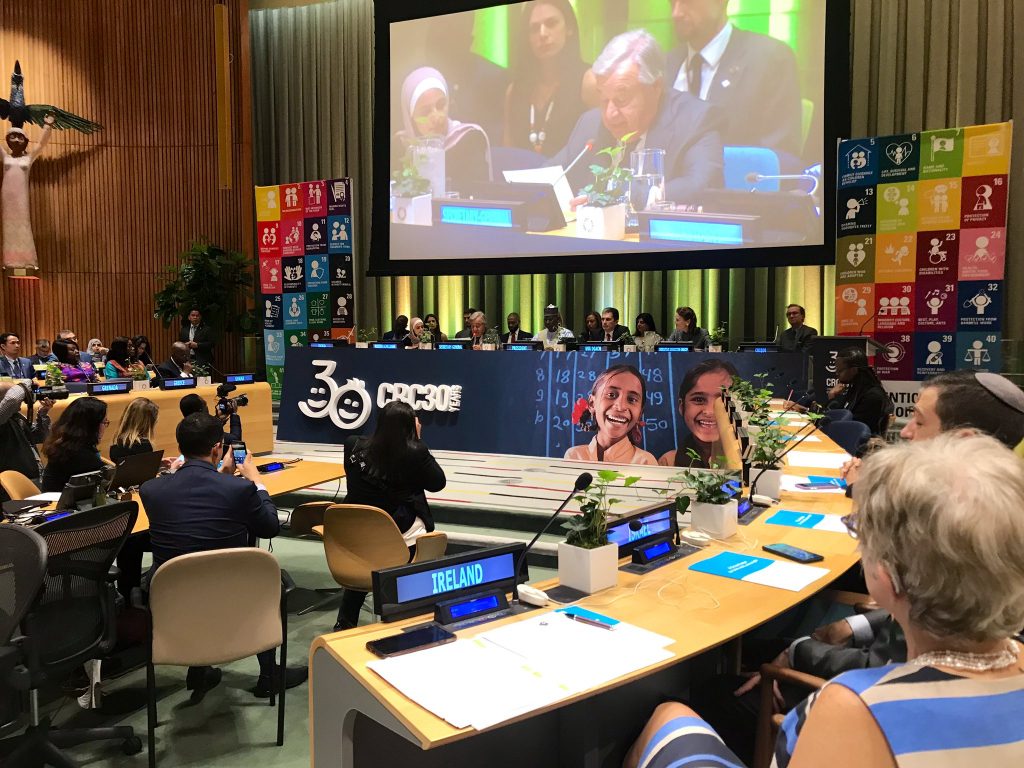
136	469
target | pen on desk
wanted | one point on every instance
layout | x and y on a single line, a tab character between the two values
590	622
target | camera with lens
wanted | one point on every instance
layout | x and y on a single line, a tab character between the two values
39	392
227	406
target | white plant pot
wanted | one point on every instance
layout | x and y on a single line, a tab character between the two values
629	347
140	384
601	223
558	348
588	570
426	345
413	210
769	483
719	521
714	348
489	347
362	345
204	381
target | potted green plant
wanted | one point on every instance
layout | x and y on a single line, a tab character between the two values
713	510
491	339
411	195
759	404
140	377
603	216
202	374
717	337
207	276
364	336
586	561
628	342
426	339
54	375
766	461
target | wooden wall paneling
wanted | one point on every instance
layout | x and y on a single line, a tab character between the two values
111	210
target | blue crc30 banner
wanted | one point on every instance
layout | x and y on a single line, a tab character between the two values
628	408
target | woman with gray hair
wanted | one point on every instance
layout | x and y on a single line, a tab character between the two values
942	543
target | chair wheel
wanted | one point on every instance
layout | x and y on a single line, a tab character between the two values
131	745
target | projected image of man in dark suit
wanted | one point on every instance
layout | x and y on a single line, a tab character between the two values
752	77
635	98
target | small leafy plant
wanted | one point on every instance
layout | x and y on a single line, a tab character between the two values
611	183
200	370
626	339
769	444
589	530
426	337
408	182
364	335
491	336
719	335
54	375
707	486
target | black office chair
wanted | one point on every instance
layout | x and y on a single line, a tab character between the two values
70	622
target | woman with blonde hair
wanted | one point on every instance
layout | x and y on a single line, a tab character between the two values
135	430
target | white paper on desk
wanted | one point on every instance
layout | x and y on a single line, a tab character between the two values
817	460
791	576
51	496
790	483
553	175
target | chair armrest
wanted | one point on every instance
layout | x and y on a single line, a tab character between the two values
771	672
304	517
430	546
113	574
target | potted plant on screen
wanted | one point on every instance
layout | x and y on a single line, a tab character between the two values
586	561
628	342
717	338
411	197
491	339
766	461
364	336
426	339
714	511
603	215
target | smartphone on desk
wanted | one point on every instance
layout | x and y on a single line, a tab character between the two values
238	451
407	642
792	553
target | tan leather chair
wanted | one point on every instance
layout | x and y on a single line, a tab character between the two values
16	485
360	539
308	519
215	607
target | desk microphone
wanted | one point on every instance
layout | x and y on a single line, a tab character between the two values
586	148
865	325
775	338
757	178
582	483
753	484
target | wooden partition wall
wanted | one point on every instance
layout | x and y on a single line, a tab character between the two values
110	211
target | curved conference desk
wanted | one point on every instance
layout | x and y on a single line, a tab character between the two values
358	719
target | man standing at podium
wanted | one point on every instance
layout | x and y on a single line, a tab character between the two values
797	336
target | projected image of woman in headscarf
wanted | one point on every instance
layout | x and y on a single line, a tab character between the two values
425	101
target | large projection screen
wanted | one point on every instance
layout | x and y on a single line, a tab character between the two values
491	120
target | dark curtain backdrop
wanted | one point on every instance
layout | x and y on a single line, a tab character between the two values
917	65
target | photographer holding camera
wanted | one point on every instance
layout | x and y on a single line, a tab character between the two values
18	435
226	409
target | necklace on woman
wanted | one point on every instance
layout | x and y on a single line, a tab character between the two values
537	138
970	662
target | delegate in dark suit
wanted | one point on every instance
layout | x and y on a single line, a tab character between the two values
16	368
758	87
795	338
521	335
687	129
203	353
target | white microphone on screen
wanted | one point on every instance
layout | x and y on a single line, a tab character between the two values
587	147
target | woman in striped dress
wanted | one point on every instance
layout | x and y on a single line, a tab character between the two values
941	531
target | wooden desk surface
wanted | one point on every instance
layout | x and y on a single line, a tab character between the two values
699	611
257	416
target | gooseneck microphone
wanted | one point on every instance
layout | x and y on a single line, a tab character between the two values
582	483
753	484
586	148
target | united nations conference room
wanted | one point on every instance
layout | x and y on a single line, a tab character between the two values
480	383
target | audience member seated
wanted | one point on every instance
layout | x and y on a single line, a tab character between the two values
412	339
72	447
700	388
553	332
860	391
85	355
398	331
142	350
796	337
941	541
97	353
646	336
177	365
71	365
688	329
121	363
18	437
515	331
615	410
434	327
477	329
425	102
635	102
592	327
391	471
610	328
43	353
198	509
135	431
12	364
968	403
465	332
545	98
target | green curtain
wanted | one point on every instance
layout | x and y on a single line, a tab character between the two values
917	65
